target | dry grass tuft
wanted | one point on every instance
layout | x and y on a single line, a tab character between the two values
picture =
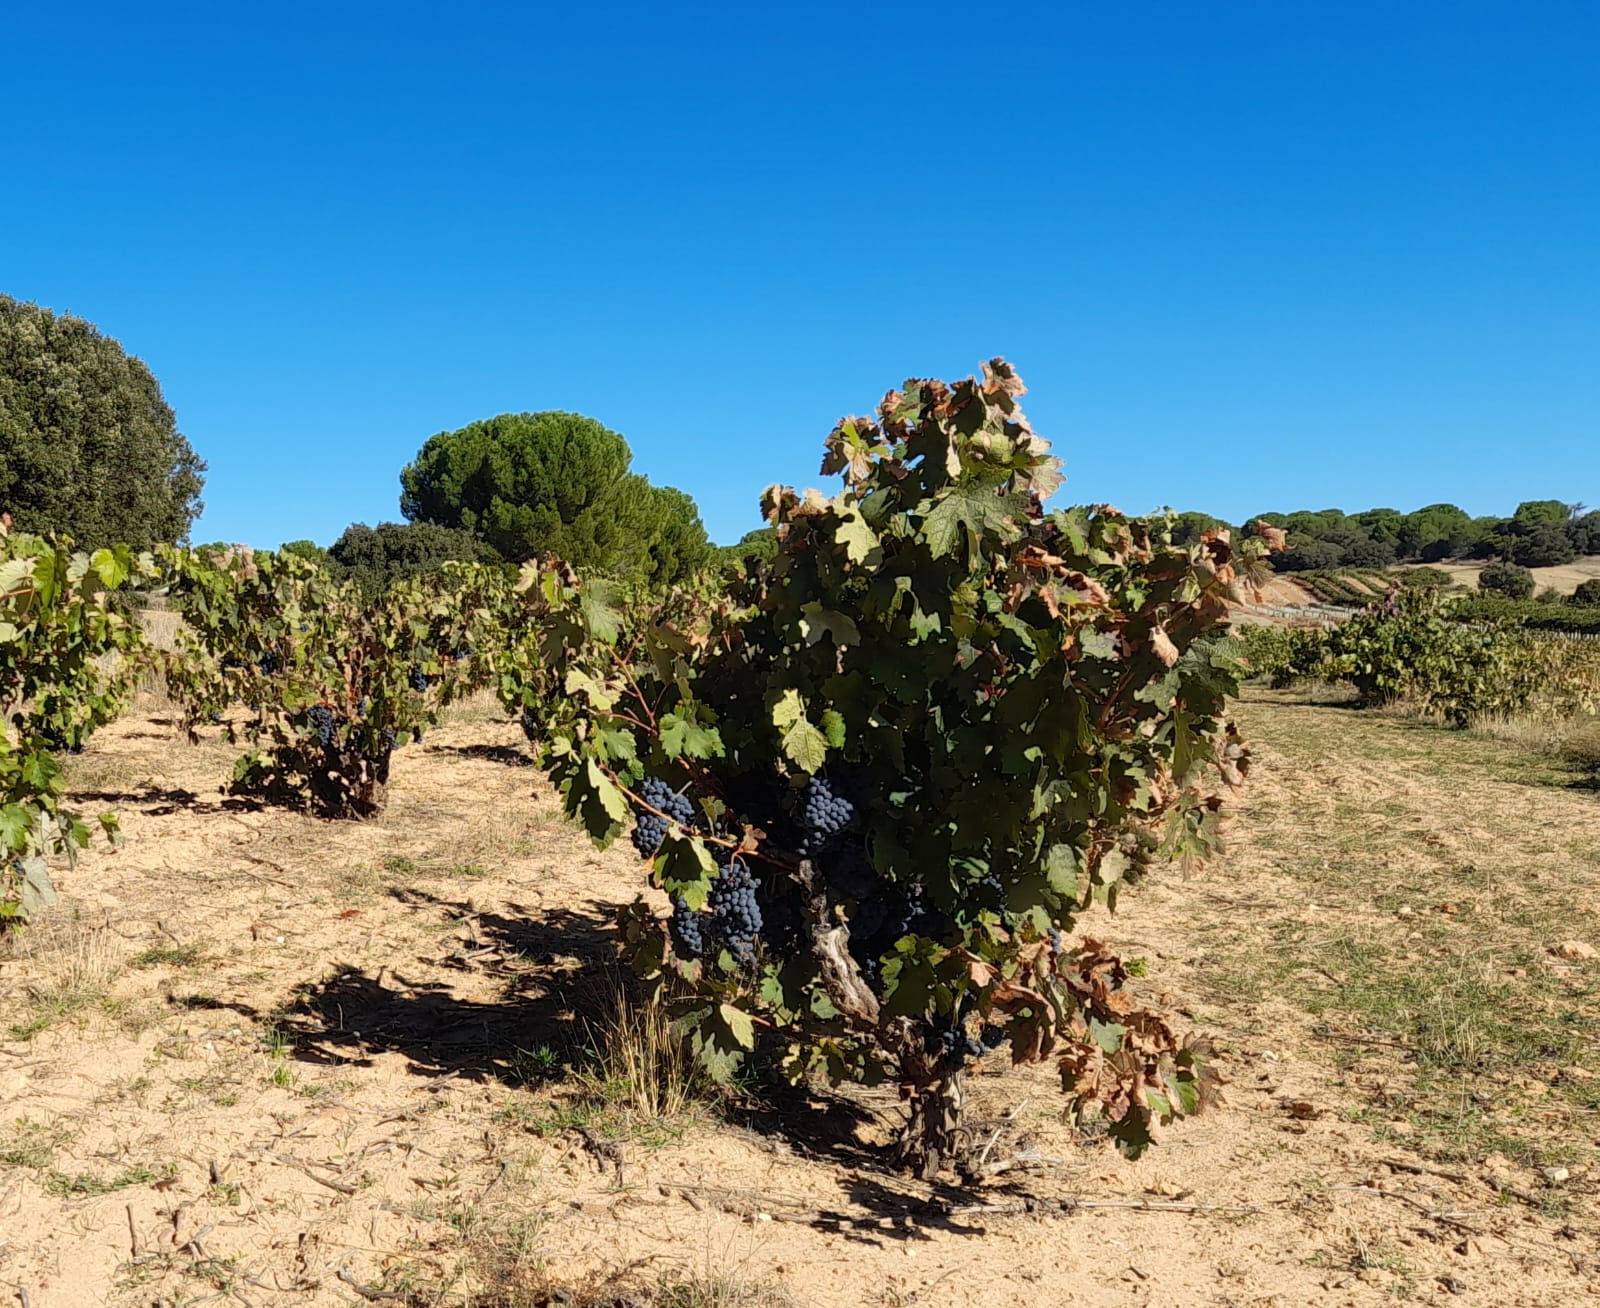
1581	748
79	965
510	1285
642	1064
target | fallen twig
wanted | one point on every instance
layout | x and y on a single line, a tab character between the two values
305	1168
368	1292
1363	1040
1400	1165
1005	1125
1460	1220
1494	1183
1074	1205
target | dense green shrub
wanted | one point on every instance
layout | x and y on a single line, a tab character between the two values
1541	545
533	485
68	660
1411	648
1508	579
376	557
1530	615
1422	578
331	680
1587	594
89	448
308	550
1281	656
762	543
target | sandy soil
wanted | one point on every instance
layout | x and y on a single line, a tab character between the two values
270	1060
1566	578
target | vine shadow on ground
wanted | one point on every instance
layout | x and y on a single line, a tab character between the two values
355	1014
556	970
161	801
506	755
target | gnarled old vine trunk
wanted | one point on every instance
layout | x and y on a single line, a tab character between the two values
933	1138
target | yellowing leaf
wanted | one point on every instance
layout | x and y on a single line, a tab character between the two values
805	746
740	1025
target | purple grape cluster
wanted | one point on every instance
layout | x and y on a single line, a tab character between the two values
952	1045
323	722
824	816
417	678
735	914
650	829
687	927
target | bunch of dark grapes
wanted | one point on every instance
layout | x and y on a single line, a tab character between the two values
687	927
952	1045
878	921
824	816
650	829
388	739
988	896
322	720
530	726
917	918
418	678
735	915
268	663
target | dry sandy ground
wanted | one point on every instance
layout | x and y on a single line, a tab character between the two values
273	1061
1566	578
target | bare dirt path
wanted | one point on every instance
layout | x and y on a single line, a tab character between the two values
254	1058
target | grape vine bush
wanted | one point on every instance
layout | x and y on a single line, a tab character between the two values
881	777
1409	647
1436	654
68	663
331	681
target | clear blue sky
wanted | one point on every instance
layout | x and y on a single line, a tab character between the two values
1246	255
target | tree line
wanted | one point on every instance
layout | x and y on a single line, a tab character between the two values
1540	534
90	449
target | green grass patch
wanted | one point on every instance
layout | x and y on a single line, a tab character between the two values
1415	882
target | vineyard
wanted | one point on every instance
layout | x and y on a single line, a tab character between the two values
902	913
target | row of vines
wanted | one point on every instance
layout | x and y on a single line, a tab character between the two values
878	779
1423	649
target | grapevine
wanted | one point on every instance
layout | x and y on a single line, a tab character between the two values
333	680
881	776
68	663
